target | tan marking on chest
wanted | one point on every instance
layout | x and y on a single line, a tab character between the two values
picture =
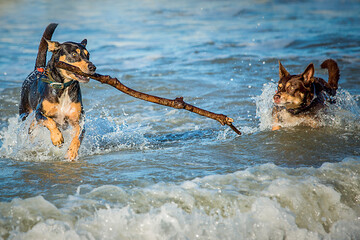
49	109
75	112
62	110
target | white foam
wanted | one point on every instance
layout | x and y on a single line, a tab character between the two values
263	202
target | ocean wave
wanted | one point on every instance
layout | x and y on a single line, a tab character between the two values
262	202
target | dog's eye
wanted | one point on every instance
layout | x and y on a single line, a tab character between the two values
74	54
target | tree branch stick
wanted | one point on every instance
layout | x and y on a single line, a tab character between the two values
177	103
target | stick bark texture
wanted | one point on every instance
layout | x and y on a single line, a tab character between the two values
177	103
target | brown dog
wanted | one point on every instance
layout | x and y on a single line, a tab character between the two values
299	97
54	94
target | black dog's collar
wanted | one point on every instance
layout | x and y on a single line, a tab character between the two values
46	78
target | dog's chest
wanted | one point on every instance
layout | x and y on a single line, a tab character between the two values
62	110
64	106
289	119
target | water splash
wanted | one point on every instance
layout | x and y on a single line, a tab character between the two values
108	133
344	114
264	105
103	134
18	144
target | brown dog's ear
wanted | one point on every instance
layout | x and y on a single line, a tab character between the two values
308	74
84	42
52	46
282	71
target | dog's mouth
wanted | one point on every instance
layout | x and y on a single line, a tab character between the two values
82	79
288	105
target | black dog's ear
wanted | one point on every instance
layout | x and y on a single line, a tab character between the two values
308	74
84	42
282	71
52	45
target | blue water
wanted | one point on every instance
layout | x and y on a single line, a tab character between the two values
151	172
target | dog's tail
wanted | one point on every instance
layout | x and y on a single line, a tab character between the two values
334	75
43	46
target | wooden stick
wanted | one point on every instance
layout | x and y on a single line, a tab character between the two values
177	103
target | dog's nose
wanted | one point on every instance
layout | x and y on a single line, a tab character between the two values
92	67
276	98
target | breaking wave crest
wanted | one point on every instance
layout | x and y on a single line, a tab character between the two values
263	202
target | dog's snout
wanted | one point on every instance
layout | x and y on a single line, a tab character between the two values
92	67
276	98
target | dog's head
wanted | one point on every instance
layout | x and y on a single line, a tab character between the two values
74	54
294	91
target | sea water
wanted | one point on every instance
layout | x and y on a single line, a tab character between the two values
152	172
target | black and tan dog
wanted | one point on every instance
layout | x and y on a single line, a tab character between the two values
54	94
300	97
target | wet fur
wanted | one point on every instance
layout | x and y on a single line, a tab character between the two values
57	108
300	97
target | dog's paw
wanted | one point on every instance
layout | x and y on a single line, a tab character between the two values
73	150
276	127
57	138
71	155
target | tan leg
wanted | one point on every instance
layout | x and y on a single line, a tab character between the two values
55	134
276	125
74	119
49	110
73	150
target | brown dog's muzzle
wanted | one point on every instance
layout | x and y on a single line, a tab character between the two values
277	98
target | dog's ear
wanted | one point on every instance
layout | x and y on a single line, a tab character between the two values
282	71
308	74
52	46
84	42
